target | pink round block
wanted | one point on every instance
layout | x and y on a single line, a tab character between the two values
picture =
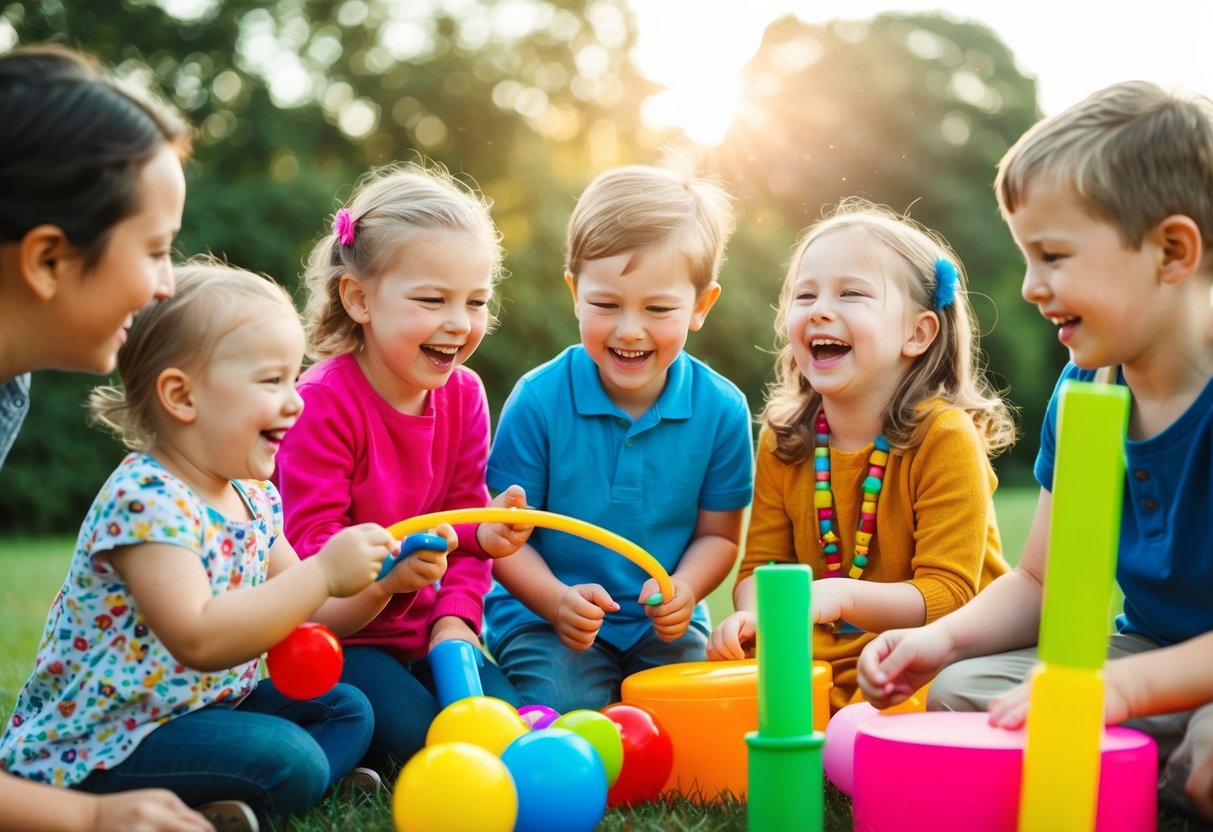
942	770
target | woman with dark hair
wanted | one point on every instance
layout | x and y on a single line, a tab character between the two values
91	196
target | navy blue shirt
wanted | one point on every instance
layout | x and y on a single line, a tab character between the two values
1165	561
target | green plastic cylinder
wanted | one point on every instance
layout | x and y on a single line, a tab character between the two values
1084	532
785	783
785	651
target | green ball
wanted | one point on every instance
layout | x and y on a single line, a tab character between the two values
601	732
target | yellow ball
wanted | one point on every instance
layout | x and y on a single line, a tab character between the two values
455	787
485	721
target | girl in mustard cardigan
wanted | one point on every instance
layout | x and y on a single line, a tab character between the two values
874	456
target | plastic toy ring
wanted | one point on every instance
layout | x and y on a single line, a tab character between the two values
547	520
410	544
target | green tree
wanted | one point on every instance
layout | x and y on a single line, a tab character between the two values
530	99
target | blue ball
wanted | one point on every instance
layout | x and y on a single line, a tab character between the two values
561	781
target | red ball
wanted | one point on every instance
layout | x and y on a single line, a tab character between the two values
307	663
648	755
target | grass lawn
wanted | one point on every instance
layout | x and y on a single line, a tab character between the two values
33	570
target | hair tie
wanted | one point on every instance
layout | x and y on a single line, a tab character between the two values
946	277
343	227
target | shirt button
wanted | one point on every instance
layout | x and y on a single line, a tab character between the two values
623	423
1149	504
1141	475
627	443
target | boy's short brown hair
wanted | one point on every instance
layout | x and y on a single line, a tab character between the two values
639	207
1133	153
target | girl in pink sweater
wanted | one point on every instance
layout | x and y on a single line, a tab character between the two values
394	426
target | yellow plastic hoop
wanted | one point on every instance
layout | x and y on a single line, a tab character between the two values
546	520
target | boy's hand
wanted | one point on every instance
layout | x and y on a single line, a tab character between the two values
898	662
421	567
734	637
1010	710
671	618
499	540
579	614
449	628
351	559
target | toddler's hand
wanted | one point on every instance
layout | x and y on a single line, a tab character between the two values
670	619
1010	710
898	662
734	637
421	567
351	559
579	614
499	540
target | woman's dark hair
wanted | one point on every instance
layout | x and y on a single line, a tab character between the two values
72	144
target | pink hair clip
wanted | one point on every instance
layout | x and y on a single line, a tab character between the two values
343	227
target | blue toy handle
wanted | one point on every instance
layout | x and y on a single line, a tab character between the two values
456	667
411	544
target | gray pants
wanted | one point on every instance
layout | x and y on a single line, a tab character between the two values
969	685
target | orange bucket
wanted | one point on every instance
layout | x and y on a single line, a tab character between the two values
707	708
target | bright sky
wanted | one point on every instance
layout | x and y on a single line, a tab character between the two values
697	47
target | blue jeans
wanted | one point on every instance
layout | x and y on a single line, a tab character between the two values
279	755
402	697
548	673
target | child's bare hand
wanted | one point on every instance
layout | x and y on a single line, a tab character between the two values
579	614
670	618
898	662
1010	710
498	540
351	558
421	567
734	637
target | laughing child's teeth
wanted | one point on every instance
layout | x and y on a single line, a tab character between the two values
630	353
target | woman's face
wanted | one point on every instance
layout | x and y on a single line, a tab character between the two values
96	303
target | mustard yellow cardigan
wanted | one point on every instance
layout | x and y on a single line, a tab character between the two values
935	526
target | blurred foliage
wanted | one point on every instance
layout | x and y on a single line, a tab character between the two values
529	99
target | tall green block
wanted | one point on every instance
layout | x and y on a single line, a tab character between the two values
785	772
1088	489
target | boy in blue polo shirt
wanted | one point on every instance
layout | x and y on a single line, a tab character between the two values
630	433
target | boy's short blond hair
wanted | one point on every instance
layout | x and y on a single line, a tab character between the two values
1133	154
636	208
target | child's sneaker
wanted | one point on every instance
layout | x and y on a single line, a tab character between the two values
230	816
362	780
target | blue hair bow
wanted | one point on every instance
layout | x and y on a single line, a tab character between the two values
946	278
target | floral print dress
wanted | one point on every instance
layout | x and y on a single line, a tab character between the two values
102	680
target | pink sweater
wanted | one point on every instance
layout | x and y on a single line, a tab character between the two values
352	458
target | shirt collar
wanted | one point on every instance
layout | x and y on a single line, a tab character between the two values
590	399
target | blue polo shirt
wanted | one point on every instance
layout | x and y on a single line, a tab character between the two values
576	453
1165	561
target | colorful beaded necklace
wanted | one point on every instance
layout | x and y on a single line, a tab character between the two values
823	500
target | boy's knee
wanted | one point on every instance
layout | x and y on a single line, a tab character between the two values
964	686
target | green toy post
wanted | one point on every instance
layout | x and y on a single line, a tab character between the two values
785	775
1088	486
